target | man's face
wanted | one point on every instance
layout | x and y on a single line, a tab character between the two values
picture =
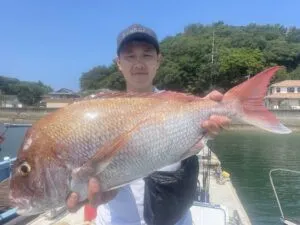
138	62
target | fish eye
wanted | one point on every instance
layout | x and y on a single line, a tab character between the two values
24	169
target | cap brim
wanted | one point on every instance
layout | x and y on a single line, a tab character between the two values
139	37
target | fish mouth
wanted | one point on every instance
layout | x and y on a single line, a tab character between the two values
21	203
25	208
25	211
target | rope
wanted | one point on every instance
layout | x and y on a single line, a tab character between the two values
208	166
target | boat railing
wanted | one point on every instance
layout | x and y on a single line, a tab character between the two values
16	125
7	160
275	193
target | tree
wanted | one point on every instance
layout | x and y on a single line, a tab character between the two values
190	64
237	63
93	78
28	93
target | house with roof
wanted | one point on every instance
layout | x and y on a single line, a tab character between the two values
10	101
284	95
59	98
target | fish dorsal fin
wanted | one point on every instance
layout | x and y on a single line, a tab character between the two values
166	95
178	96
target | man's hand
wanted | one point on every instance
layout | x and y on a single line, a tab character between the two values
215	123
95	196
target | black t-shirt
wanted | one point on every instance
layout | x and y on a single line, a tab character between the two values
168	195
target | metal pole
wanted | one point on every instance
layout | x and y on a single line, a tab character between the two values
277	199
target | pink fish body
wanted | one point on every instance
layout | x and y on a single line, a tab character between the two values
121	137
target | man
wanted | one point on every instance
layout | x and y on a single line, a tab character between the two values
165	196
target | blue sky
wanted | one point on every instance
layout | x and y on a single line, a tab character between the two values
56	41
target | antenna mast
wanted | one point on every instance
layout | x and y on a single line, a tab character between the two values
212	58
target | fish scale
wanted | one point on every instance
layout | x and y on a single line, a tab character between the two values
92	142
152	156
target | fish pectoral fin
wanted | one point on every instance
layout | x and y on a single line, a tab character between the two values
81	174
104	155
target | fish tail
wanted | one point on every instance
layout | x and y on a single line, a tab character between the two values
249	97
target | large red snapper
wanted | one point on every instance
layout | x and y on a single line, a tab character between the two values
122	137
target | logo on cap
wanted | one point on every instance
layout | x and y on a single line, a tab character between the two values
137	29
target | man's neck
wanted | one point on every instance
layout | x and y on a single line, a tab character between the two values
142	90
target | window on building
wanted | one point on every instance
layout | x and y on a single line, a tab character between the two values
290	89
298	89
278	90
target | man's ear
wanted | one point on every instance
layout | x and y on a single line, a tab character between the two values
159	60
117	61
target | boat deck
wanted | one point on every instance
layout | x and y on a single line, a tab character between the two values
226	196
222	191
64	218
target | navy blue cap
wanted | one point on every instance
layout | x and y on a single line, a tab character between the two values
137	32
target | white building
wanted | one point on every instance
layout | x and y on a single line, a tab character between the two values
10	101
284	95
59	99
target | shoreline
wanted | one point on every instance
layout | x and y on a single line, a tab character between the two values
247	127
